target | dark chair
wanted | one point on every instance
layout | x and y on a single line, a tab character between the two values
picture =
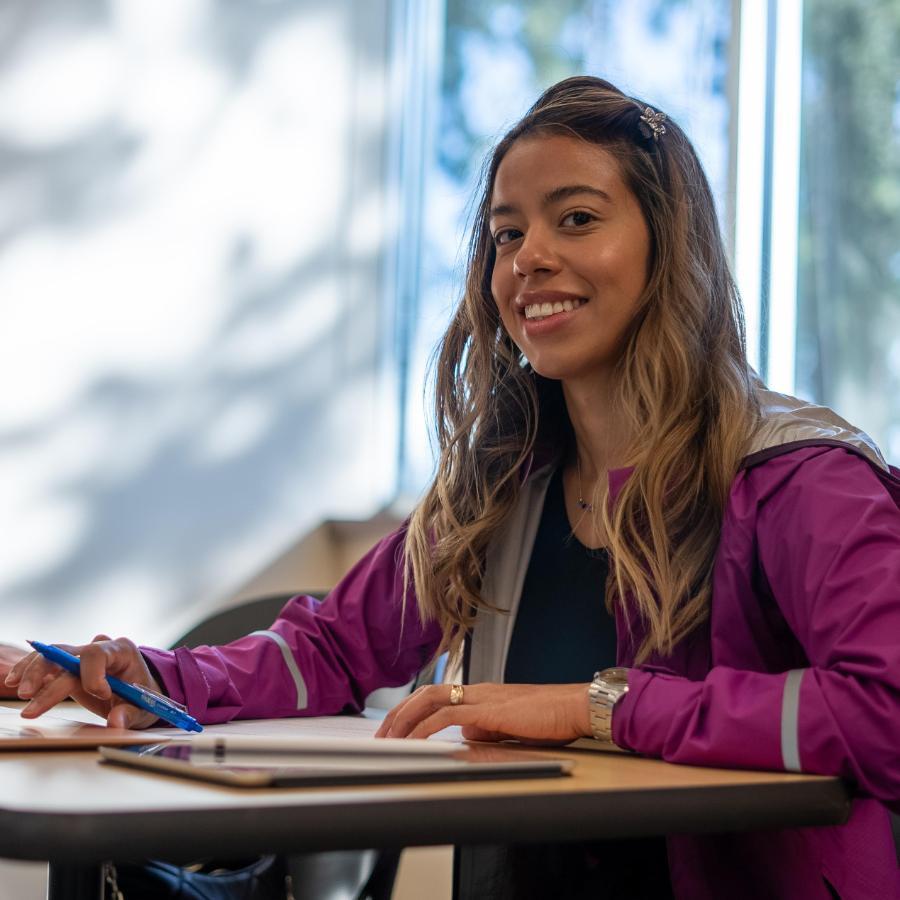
337	875
236	621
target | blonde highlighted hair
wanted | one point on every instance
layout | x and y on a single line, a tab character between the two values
683	383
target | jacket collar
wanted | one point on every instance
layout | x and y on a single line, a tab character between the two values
788	423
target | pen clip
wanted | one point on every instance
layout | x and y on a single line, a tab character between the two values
162	698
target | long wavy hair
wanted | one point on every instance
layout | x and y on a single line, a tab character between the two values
682	380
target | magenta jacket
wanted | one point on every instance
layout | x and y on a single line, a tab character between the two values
798	668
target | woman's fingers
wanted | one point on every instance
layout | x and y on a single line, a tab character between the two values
534	713
388	722
9	657
121	658
404	717
444	718
123	715
56	689
31	673
103	657
14	676
46	684
61	687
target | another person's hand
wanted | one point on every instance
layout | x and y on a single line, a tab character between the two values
45	684
9	656
533	713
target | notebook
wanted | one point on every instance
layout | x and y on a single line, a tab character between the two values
244	768
51	732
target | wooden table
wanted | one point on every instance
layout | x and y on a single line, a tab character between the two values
67	808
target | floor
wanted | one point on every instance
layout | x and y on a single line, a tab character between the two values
423	872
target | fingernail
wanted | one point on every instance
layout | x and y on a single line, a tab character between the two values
28	708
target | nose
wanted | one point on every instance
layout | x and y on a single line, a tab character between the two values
535	255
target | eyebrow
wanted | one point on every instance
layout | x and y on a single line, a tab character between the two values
554	196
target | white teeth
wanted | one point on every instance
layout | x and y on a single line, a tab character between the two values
542	310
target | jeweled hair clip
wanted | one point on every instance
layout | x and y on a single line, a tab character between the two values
651	123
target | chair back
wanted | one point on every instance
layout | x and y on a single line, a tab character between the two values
228	625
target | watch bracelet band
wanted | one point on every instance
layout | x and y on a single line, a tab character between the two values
603	695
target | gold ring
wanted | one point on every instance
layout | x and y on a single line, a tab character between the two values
456	694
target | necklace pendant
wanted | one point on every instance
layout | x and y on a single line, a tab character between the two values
587	507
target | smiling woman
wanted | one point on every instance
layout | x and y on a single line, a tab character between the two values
627	537
568	231
594	197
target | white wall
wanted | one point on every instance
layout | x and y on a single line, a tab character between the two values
196	343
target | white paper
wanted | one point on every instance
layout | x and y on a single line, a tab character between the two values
50	732
319	734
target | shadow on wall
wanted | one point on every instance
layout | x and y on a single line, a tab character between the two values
197	365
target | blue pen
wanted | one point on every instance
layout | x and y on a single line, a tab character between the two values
167	709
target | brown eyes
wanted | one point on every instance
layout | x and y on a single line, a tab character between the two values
577	219
505	235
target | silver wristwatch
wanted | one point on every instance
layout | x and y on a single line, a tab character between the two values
606	690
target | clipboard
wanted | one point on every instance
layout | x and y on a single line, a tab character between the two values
274	770
56	733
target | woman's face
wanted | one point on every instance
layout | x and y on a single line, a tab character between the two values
572	254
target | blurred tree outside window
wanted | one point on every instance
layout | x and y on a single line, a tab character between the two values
848	322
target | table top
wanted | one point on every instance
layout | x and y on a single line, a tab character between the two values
67	807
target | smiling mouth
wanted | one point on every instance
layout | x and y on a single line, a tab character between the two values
544	310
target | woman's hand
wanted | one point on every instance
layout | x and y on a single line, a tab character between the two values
9	656
533	713
45	684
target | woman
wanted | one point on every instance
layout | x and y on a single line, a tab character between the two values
601	435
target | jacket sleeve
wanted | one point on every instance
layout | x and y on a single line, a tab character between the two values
317	658
828	540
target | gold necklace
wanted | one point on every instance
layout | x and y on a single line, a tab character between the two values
582	503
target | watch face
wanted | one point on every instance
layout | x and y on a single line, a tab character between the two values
616	677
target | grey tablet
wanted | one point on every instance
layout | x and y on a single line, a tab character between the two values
245	769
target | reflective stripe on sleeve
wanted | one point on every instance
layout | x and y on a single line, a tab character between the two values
790	721
291	664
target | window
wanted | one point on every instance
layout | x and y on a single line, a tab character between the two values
795	110
848	300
